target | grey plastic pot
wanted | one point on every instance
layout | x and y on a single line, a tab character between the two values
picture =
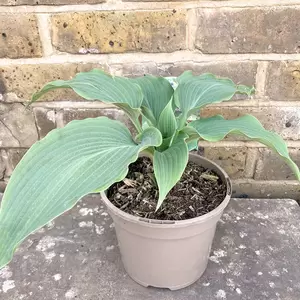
168	254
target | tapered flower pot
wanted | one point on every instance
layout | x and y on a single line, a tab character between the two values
168	254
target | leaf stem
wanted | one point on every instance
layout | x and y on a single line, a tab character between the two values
148	152
182	121
137	125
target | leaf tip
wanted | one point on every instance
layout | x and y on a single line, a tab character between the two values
297	172
5	257
243	89
34	97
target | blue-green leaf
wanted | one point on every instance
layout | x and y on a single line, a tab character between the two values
167	123
157	93
169	166
57	171
194	92
98	85
216	128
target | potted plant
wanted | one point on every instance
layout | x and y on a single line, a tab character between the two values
163	243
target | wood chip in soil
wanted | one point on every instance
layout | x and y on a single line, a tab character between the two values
198	192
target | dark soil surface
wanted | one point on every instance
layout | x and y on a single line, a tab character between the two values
198	192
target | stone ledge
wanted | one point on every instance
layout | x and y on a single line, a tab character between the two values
249	188
253	257
144	5
49	2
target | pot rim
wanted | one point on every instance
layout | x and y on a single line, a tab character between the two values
181	223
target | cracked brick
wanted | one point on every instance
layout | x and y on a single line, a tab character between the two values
17	126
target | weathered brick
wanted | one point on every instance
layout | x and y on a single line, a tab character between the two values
283	120
13	157
251	161
17	126
283	80
19	36
266	189
271	167
243	72
18	83
82	113
248	30
138	69
48	2
117	32
45	120
232	160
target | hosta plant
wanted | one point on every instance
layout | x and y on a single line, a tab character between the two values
90	155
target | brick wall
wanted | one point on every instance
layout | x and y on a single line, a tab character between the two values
254	42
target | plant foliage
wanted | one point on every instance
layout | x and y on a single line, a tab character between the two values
92	154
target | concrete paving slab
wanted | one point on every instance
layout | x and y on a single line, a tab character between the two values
255	255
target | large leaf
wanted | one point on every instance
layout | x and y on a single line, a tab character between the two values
185	76
98	85
188	75
169	166
167	123
216	128
194	92
157	94
60	169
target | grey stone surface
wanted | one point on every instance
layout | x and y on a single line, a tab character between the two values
255	255
266	189
17	126
14	156
45	120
